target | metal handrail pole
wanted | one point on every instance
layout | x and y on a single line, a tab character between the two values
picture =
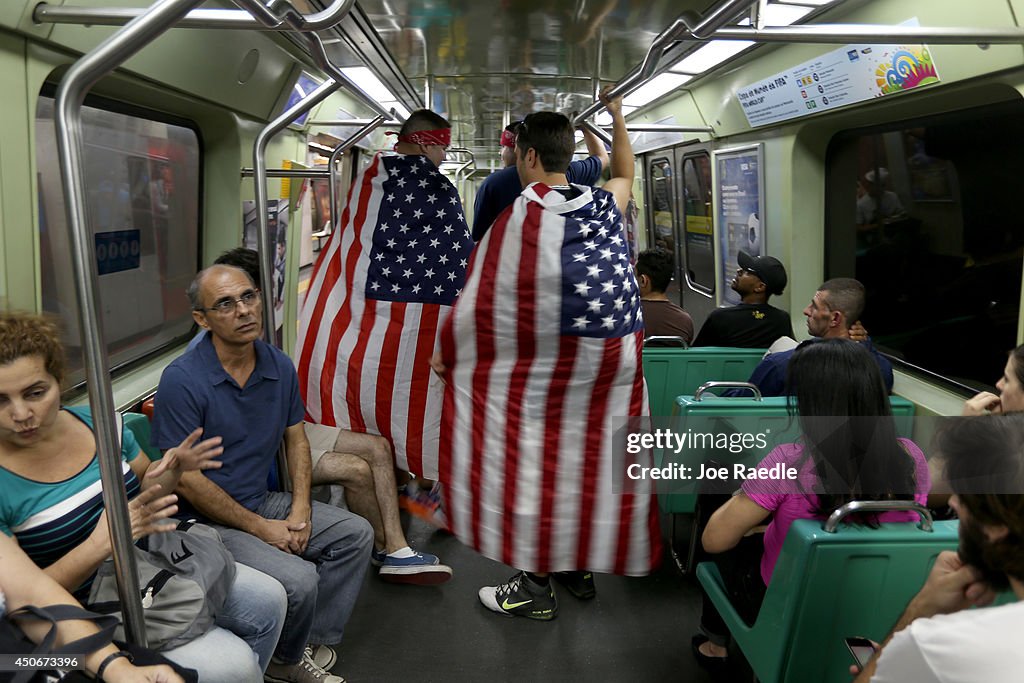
80	78
680	29
343	122
663	128
259	165
45	13
332	163
315	47
877	35
601	134
288	173
716	17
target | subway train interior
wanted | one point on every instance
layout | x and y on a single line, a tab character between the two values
131	159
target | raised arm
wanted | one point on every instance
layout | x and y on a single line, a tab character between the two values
621	183
595	147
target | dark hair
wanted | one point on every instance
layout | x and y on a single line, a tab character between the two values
836	387
25	334
513	127
424	119
656	264
845	295
241	257
551	135
983	461
1018	363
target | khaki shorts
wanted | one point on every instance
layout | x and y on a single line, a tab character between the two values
321	439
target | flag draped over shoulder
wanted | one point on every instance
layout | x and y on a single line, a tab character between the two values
369	324
543	350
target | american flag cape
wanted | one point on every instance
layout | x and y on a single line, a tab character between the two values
543	350
369	323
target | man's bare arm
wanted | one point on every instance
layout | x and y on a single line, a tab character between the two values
623	162
215	503
595	147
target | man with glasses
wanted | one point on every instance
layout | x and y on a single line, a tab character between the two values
753	323
234	385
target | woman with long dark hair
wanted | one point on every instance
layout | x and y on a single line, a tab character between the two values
849	451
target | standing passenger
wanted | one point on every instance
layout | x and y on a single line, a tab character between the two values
236	387
380	286
540	354
501	188
753	323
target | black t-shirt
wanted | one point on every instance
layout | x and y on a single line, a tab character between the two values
749	326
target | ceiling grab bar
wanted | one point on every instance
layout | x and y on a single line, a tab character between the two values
79	79
683	27
45	13
259	165
332	163
843	34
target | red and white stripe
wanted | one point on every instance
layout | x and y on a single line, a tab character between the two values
532	419
364	364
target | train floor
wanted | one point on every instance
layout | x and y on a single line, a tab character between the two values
636	629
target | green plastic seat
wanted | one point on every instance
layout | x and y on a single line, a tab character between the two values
827	587
672	372
139	426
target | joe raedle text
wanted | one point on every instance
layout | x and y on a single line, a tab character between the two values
678	472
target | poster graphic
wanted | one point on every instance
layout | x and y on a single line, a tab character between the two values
740	205
850	74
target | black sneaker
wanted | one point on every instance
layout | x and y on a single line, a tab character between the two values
521	597
579	583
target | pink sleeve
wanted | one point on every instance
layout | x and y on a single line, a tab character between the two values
770	494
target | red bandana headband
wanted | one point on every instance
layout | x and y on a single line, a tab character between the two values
508	139
441	136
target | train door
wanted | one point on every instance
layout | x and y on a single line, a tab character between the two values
662	215
695	251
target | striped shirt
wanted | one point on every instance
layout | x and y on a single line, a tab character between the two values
51	518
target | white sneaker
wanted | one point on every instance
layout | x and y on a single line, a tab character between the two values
322	655
305	671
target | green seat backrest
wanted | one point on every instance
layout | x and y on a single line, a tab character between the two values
672	372
827	587
139	426
711	414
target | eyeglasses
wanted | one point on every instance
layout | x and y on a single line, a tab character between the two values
249	298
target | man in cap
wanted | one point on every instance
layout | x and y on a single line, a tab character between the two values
753	323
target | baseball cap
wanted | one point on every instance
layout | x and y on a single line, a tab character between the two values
767	268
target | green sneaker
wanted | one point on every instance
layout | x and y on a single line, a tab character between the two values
521	597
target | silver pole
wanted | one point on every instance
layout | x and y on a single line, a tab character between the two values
344	122
332	163
259	164
198	18
875	35
79	79
288	173
663	128
601	135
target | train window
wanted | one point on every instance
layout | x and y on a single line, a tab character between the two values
142	187
699	247
926	215
662	214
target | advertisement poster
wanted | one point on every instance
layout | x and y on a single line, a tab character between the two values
738	198
277	216
850	74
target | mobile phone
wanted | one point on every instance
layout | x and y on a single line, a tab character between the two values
861	649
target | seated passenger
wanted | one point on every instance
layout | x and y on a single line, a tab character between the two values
22	583
49	473
1010	386
836	303
859	458
661	316
753	323
939	639
235	386
365	466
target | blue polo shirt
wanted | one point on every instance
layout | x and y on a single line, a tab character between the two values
196	391
501	188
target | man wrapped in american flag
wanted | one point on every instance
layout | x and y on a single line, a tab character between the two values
369	324
541	357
